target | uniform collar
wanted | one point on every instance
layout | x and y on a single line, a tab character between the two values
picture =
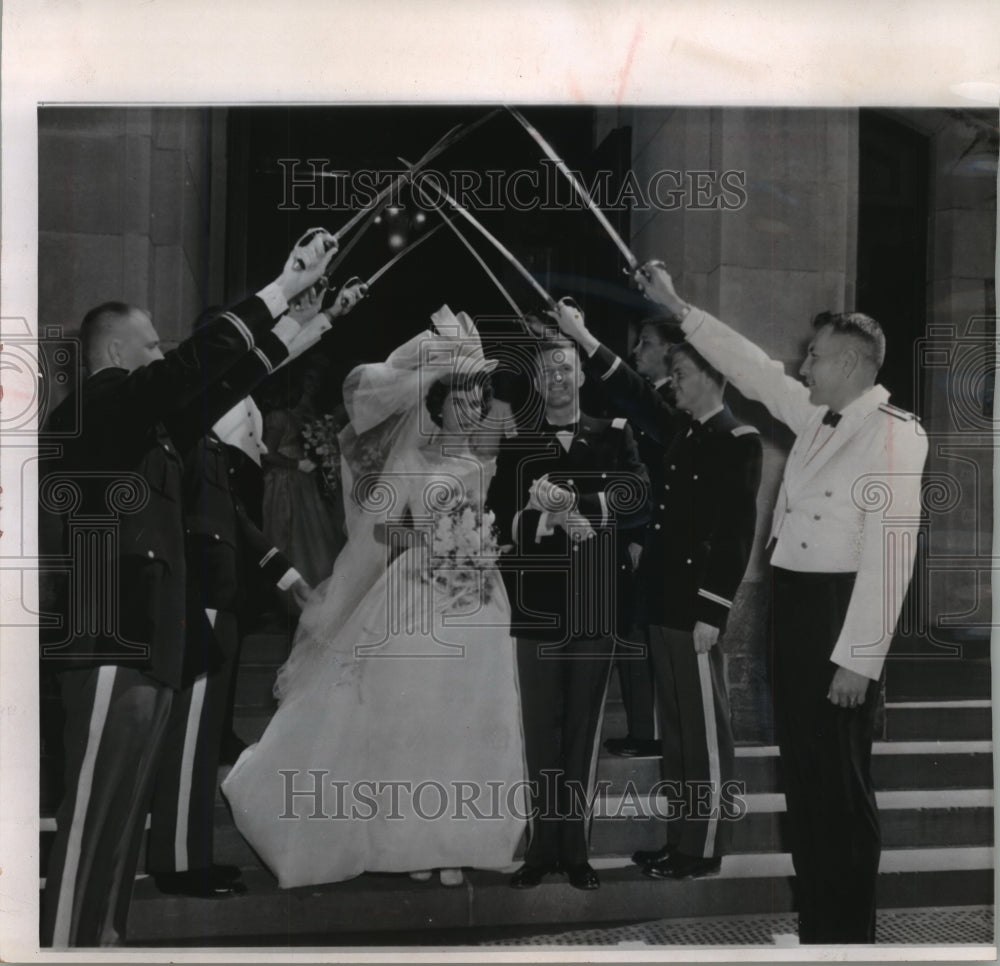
710	415
866	403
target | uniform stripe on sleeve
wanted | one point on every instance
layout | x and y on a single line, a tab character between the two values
267	557
614	365
240	327
263	358
71	867
715	598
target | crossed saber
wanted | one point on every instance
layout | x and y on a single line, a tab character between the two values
369	214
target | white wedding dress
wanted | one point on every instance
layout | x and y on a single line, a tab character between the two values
397	745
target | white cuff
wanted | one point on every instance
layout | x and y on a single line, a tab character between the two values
290	577
309	334
692	320
286	329
272	296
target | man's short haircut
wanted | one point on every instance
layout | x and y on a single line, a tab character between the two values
688	350
862	328
98	322
666	329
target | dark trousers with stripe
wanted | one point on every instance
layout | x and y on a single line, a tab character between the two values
698	753
832	819
115	721
563	687
182	819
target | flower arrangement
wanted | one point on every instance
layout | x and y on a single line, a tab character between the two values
323	448
463	547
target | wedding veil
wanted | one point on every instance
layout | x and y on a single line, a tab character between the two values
388	421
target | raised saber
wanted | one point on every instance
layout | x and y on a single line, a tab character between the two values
450	138
495	242
482	262
396	182
406	251
549	151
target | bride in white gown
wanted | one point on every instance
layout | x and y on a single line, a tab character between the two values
397	742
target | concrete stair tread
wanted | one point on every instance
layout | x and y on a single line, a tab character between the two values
746	885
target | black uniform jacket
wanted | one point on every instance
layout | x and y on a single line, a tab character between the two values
703	522
704	507
559	588
114	483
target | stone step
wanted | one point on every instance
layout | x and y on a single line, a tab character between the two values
254	687
895	765
937	676
904	720
329	915
959	719
964	818
622	824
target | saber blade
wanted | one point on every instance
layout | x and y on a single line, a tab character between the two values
397	182
406	251
494	241
482	263
549	151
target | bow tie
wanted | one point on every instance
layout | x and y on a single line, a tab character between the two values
567	428
831	418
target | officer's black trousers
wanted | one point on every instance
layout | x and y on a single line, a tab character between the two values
182	813
832	820
115	720
563	688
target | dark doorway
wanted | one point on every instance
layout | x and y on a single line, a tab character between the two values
892	243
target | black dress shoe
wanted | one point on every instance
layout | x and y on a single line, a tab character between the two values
649	856
630	747
529	876
199	883
680	866
583	876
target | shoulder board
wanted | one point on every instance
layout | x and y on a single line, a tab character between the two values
619	422
895	411
744	430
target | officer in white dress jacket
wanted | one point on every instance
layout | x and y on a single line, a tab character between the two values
842	541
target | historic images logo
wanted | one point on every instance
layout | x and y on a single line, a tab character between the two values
310	184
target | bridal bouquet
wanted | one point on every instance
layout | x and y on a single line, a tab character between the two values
463	548
323	448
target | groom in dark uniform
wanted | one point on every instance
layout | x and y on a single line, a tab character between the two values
560	491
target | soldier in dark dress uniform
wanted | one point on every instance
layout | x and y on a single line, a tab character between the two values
558	494
227	553
704	514
119	649
648	405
